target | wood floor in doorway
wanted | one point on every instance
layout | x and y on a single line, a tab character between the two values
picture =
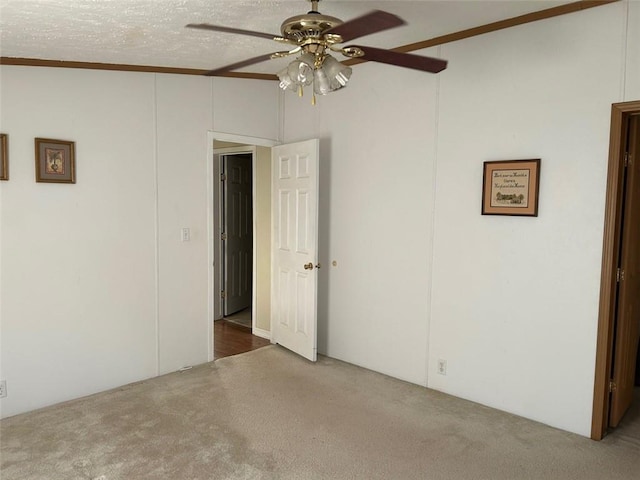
232	339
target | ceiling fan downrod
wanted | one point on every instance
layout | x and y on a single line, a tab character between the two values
314	6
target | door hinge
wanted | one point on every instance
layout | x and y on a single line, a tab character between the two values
627	159
612	386
223	177
619	275
223	294
223	236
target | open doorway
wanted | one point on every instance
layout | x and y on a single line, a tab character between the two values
242	272
236	223
292	223
616	391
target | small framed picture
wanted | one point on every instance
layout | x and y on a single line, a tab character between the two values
510	187
4	157
55	161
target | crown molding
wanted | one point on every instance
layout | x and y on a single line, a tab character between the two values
452	37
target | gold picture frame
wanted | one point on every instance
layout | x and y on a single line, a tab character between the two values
511	187
55	161
4	157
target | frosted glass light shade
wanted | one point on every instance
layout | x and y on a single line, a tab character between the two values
298	73
301	69
331	76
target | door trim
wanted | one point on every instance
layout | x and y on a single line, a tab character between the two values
620	113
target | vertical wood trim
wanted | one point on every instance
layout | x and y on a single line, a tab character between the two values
620	113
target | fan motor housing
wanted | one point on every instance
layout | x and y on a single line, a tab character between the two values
312	25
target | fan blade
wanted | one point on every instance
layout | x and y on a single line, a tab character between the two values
244	63
251	61
216	28
408	60
372	22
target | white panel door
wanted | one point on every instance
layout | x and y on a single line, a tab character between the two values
294	246
238	232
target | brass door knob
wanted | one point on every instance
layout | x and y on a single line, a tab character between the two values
308	266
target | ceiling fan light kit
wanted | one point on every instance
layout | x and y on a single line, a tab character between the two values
324	72
315	35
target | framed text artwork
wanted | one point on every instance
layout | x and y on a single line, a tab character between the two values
510	187
4	157
55	161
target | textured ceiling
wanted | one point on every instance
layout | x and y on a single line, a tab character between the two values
152	33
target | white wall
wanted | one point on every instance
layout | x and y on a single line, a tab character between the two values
632	65
78	261
184	114
523	339
93	274
510	303
246	108
376	197
97	289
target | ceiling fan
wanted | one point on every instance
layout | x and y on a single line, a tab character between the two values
313	36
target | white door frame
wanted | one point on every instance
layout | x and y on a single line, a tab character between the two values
213	221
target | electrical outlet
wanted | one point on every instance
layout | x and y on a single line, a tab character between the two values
3	388
185	234
442	366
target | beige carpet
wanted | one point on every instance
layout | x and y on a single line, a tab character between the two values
268	414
